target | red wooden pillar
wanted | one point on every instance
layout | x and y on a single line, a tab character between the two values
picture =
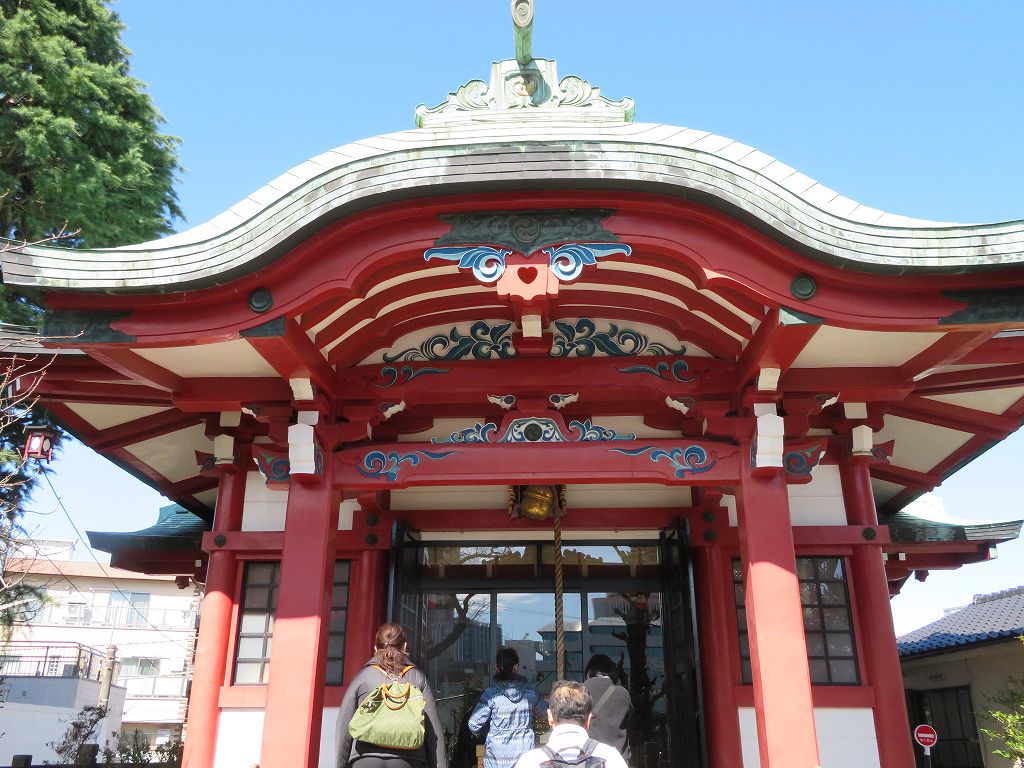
366	607
877	636
715	600
778	651
294	710
208	674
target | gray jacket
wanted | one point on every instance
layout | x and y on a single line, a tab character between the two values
432	753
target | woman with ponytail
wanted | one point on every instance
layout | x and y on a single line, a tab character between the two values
389	663
507	710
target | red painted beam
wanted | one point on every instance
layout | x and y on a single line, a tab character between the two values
855	385
970	420
946	351
588	519
776	344
902	476
972	380
79	368
135	367
145	428
102	392
599	377
294	356
667	462
229	394
1007	349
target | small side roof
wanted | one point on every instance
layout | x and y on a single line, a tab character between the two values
989	617
171	545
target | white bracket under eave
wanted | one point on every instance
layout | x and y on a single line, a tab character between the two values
223	449
768	444
863	440
768	379
302	447
302	390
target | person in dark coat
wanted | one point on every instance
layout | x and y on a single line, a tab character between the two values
613	706
506	709
391	654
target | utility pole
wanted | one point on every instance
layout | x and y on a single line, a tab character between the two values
107	675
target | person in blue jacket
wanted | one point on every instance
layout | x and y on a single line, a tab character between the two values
507	709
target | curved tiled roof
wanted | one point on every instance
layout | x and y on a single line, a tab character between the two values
988	617
683	162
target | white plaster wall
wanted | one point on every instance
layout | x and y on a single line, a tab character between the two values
264	508
327	737
239	738
627	495
451	497
846	737
819	502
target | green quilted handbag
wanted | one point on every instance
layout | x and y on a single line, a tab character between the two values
390	716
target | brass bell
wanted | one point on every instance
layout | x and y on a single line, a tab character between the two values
537	502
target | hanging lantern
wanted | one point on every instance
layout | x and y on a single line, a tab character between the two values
39	442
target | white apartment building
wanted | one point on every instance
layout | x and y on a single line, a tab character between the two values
148	620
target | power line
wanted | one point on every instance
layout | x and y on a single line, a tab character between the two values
103	569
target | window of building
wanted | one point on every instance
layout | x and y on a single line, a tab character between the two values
338	621
260	583
138	666
75	613
828	628
128	609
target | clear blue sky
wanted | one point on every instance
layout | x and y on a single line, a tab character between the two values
910	107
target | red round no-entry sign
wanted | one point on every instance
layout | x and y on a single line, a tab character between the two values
925	735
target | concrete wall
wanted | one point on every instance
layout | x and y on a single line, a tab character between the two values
983	669
37	711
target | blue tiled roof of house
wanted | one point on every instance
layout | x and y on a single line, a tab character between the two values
987	617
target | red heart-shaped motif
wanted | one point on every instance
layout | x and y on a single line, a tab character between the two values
527	274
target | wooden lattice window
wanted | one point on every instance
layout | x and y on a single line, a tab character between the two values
338	622
260	583
828	627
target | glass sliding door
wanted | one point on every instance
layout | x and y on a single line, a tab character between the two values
460	602
525	622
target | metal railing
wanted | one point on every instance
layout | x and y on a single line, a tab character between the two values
50	660
154	686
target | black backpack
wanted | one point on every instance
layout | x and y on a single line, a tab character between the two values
585	759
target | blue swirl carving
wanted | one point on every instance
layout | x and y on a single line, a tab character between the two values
487	263
483	342
274	468
582	339
387	465
802	462
478	433
677	371
567	261
589	432
693	459
391	375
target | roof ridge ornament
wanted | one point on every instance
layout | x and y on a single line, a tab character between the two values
525	89
522	29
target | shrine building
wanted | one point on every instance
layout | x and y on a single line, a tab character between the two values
534	374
